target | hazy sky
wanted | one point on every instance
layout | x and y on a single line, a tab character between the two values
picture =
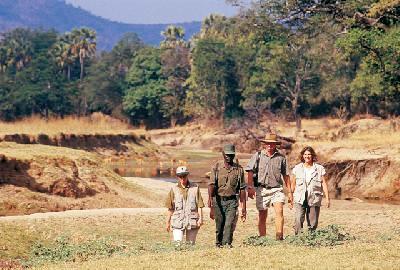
154	11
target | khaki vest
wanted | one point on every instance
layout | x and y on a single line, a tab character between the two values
185	214
313	186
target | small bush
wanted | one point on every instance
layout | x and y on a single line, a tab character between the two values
63	251
172	246
332	235
262	241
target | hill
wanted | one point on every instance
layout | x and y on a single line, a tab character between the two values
56	14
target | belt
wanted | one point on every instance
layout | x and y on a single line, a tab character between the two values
265	186
227	198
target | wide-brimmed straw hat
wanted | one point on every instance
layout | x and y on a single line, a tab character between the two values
270	138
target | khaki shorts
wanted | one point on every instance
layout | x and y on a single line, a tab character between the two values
267	197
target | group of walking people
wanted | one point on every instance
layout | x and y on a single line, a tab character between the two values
267	174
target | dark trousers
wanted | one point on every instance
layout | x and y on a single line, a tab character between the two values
225	214
311	213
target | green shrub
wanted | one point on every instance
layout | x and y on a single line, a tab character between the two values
172	246
62	250
331	235
256	240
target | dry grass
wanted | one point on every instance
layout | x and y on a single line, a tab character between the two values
29	152
369	139
360	138
351	256
313	127
95	124
374	226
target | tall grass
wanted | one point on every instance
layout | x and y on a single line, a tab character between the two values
96	123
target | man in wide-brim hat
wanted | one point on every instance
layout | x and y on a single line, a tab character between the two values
267	171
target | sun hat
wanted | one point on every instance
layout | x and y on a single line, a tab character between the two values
270	138
182	170
229	149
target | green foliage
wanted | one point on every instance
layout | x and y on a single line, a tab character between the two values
293	58
377	76
172	246
63	250
176	69
146	67
331	235
213	83
105	82
143	100
263	241
144	103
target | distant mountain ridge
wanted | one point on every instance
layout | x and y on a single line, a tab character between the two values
58	15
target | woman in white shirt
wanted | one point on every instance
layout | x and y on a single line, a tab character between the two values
308	186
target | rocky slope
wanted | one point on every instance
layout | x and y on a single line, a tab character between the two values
40	178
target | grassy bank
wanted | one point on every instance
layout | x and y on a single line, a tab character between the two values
121	242
97	123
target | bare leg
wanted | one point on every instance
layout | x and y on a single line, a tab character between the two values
279	220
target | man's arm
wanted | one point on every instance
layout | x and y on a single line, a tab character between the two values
250	185
326	191
242	199
211	195
250	180
211	191
286	179
242	196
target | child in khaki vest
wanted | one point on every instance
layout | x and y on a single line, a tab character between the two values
184	203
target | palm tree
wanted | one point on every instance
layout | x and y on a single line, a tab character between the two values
19	47
3	59
62	51
83	45
214	25
173	36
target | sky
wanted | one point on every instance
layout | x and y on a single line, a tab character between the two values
155	11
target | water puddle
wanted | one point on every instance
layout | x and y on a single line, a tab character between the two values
199	164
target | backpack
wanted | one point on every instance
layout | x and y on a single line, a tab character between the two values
255	170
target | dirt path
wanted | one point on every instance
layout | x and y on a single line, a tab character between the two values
161	187
86	213
157	186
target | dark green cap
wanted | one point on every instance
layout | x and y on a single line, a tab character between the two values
229	149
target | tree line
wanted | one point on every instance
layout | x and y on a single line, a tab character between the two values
292	58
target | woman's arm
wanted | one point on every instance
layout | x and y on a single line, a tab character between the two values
326	191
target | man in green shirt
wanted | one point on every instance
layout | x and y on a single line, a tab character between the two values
225	190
